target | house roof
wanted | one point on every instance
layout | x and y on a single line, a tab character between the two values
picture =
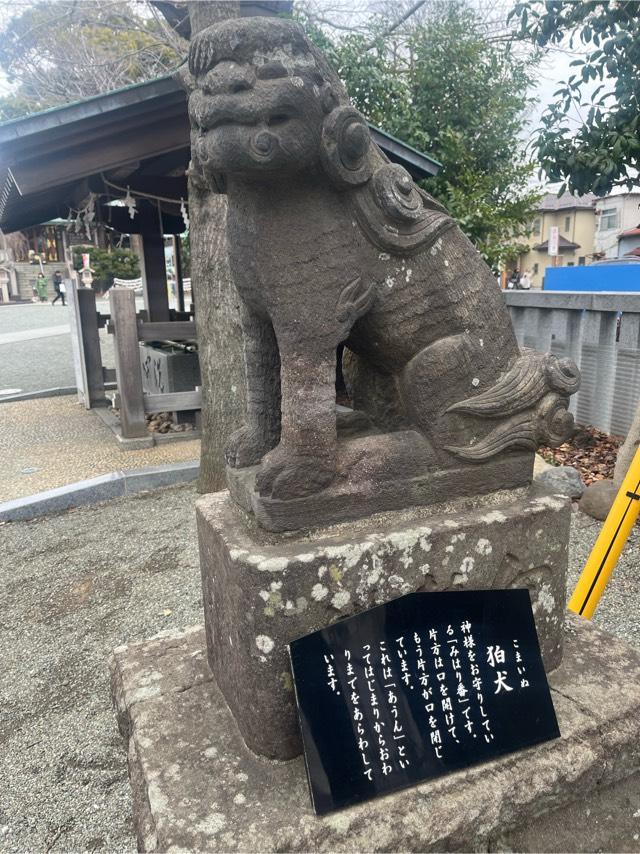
630	232
635	252
563	244
621	193
567	201
50	161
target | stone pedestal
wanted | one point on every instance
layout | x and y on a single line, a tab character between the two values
263	590
196	787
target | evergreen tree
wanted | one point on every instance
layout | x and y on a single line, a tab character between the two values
452	90
603	151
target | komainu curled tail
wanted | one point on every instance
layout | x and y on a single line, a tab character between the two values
530	401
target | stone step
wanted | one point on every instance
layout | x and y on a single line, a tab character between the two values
196	786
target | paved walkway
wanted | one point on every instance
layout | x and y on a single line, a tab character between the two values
30	334
25	317
35	347
54	441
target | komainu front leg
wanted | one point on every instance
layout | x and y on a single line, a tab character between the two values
248	445
305	460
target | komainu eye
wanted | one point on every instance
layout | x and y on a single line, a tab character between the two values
271	71
278	119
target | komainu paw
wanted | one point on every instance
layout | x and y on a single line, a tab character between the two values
285	474
246	447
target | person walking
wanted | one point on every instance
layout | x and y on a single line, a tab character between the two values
525	281
41	287
514	280
59	288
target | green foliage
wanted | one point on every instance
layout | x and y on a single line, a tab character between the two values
377	87
107	265
15	106
185	254
461	97
604	152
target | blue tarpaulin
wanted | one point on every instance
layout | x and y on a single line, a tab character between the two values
596	277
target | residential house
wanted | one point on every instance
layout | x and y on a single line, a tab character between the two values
629	242
574	216
615	214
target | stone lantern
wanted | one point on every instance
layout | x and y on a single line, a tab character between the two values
87	271
86	277
4	284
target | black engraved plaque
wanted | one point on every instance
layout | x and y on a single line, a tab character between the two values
424	685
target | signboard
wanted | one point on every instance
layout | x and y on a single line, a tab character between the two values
554	237
424	685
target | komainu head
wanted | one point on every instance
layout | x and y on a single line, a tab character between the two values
266	102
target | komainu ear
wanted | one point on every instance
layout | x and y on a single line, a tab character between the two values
396	215
328	99
345	147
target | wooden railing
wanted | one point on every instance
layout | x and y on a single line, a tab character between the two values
128	330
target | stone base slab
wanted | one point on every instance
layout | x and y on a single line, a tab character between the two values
374	489
261	591
197	787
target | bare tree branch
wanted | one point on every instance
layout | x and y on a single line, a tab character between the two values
56	52
176	15
387	32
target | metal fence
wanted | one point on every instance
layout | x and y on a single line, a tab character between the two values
601	333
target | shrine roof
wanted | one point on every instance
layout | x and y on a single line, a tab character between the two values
50	161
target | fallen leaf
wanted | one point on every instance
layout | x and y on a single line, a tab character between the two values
590	451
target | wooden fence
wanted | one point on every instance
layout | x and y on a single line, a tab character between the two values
85	323
128	330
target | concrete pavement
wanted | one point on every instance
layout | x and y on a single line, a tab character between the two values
31	334
35	347
31	316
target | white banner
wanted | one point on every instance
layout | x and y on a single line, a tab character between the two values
554	236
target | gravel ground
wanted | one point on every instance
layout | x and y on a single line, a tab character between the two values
74	586
619	609
52	441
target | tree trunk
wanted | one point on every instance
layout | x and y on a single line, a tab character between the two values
218	327
627	450
219	333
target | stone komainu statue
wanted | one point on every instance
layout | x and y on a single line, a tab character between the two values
329	242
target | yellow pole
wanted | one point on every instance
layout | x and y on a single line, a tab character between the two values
613	536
